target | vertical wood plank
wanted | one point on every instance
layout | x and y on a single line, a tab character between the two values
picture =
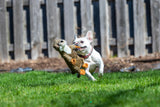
122	38
86	18
75	19
18	30
155	19
58	23
4	54
25	27
36	42
104	28
92	18
41	24
52	25
69	20
139	28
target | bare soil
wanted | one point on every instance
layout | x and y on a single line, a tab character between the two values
111	64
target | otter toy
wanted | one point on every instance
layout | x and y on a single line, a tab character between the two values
68	53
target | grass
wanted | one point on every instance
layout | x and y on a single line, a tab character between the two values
42	89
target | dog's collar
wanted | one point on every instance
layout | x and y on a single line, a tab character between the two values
86	56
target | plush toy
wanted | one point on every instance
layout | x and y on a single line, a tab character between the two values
68	53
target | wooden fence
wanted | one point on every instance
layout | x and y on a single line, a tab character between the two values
122	27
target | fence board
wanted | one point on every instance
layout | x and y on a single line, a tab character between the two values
155	19
69	20
139	25
86	18
122	38
42	2
4	55
59	23
75	20
114	22
25	27
36	45
18	30
104	28
52	26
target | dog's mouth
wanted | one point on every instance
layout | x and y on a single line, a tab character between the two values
81	48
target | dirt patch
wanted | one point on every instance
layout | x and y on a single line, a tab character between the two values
111	65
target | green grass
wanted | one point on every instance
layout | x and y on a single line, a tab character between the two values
44	89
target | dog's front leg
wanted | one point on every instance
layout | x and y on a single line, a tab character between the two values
89	75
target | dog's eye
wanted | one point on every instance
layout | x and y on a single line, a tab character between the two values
61	40
81	41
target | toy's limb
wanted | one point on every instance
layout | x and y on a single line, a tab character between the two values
78	75
73	61
56	47
67	57
55	44
75	70
85	65
82	72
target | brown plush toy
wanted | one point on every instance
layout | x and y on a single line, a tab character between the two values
74	62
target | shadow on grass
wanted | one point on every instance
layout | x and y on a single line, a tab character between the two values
134	75
113	99
41	84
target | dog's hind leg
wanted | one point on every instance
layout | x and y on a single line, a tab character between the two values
101	68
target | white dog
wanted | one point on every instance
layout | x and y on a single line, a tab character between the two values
90	55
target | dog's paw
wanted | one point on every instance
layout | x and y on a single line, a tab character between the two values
100	75
94	80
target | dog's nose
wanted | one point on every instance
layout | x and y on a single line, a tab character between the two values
76	44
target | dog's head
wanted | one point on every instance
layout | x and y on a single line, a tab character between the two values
84	43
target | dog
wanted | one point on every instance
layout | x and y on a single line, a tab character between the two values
90	55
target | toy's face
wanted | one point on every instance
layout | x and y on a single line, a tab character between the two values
62	42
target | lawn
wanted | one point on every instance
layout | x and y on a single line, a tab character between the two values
43	89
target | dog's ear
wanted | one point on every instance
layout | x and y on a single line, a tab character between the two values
75	36
89	36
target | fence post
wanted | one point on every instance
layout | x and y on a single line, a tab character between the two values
86	18
104	28
4	54
139	31
69	20
155	19
36	39
122	37
51	6
19	52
